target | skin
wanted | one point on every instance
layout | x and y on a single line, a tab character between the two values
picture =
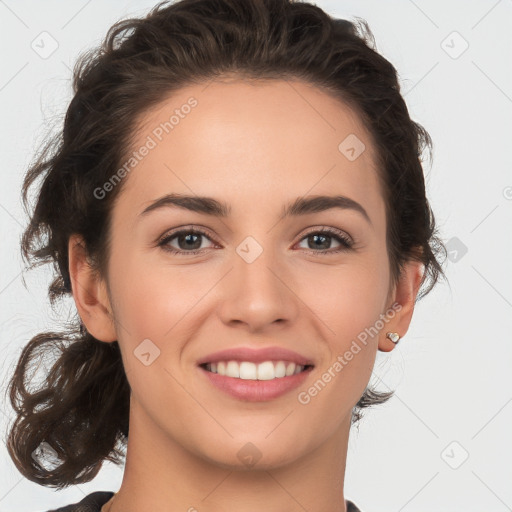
256	146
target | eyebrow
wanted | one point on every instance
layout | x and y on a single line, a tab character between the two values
211	206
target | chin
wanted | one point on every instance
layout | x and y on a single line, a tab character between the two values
256	455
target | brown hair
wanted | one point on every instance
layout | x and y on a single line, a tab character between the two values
81	408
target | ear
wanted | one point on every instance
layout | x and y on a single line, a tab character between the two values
90	293
405	293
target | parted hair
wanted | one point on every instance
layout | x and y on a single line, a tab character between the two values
80	409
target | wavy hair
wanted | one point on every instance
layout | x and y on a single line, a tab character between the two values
81	408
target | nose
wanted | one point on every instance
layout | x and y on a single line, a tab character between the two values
258	294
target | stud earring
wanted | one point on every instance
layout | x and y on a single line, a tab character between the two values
393	336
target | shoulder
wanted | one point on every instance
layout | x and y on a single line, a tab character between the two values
91	503
351	507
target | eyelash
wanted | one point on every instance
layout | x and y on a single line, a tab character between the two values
346	243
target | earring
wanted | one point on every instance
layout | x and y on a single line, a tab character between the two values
393	336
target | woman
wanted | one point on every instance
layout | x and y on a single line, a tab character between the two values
237	206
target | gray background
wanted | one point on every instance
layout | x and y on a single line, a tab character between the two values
444	442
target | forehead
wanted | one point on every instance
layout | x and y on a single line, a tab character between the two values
268	139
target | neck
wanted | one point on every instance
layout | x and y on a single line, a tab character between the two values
162	475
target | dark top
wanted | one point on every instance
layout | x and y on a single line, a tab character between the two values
94	501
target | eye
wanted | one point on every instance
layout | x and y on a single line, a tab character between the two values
186	239
319	239
189	241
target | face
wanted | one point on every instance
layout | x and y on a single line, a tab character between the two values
192	282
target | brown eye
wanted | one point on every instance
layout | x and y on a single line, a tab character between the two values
320	241
189	241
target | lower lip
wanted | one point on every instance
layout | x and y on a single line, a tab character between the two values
256	390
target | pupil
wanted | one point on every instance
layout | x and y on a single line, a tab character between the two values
316	237
187	237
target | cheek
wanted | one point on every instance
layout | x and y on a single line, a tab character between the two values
350	309
348	302
151	299
349	298
154	306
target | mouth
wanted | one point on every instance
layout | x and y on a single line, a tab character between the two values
255	382
247	370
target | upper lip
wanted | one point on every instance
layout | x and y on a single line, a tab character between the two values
256	355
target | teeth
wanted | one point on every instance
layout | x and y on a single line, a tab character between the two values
232	369
246	370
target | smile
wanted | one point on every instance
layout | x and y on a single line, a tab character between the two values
253	382
266	370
